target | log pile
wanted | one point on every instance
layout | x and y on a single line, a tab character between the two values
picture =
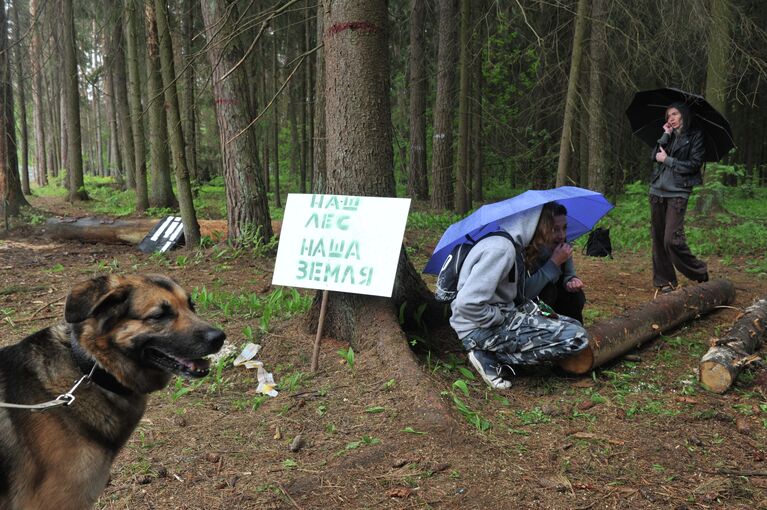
611	338
729	354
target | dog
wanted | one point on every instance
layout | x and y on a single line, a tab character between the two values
124	337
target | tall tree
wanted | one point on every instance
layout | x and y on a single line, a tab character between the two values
597	113
36	59
161	189
275	121
134	96
566	140
417	183
319	177
360	162
719	41
19	57
444	109
72	100
463	179
175	129
189	110
120	90
247	207
11	195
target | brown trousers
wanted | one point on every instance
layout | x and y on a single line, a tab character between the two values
669	244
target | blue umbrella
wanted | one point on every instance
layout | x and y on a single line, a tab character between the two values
584	209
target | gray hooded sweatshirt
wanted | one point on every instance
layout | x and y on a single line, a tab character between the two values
485	292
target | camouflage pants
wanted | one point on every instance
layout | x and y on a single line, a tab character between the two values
528	337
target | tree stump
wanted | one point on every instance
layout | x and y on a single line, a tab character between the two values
614	337
729	354
709	201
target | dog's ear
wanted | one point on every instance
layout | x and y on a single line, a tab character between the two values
93	297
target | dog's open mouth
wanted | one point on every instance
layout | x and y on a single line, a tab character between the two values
179	366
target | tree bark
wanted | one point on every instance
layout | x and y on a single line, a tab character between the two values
36	59
190	114
124	126
463	179
161	190
275	119
319	179
19	60
360	162
730	353
597	127
15	192
246	200
442	144
72	97
566	142
418	82
718	68
175	130
134	96
614	337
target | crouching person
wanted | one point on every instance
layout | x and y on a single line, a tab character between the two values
496	325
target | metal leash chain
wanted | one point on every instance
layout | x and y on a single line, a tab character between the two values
65	399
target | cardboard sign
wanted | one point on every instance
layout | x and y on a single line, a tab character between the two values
341	243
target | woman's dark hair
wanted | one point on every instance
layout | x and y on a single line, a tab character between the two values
543	232
686	114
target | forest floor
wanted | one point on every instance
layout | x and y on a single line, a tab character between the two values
633	434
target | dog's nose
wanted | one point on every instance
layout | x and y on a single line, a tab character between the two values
214	338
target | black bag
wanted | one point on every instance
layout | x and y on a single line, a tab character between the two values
598	243
447	279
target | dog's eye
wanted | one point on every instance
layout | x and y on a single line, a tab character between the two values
164	313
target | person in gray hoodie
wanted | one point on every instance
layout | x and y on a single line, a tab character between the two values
497	333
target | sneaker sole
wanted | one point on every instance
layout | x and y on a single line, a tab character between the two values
503	384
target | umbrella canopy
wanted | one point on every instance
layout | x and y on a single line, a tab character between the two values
647	114
584	209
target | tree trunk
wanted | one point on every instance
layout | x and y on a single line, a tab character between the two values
161	190
72	98
275	118
614	337
463	180
417	185
360	162
730	353
246	200
20	60
113	159
566	142
115	231
476	118
442	145
319	177
175	131
190	115
12	155
124	126
134	96
597	123
718	69
36	59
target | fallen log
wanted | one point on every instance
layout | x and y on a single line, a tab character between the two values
730	353
611	338
116	231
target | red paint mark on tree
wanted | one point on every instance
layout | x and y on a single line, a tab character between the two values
225	101
361	26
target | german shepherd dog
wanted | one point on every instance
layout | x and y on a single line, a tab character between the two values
124	337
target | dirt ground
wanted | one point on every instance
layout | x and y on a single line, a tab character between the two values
637	433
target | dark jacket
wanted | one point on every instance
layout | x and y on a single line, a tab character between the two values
686	151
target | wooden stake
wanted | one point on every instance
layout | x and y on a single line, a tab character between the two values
318	338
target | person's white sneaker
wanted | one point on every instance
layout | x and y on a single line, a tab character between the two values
489	369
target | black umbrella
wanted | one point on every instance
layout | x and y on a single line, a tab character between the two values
647	114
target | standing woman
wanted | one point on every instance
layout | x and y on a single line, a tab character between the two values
678	159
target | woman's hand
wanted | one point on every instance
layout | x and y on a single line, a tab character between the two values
660	157
667	128
574	285
561	253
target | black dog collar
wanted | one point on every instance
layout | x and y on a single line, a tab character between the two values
99	375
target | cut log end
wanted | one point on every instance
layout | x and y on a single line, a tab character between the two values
715	376
580	364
